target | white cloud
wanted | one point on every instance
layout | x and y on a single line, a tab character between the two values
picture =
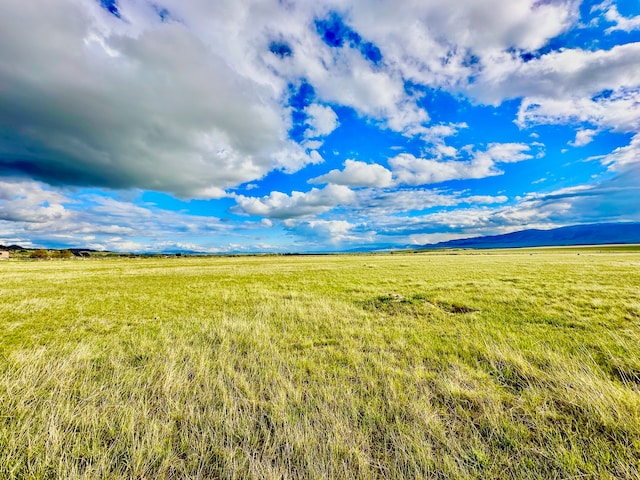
484	199
298	204
357	174
435	42
618	111
621	23
507	152
135	103
197	104
583	137
567	73
333	231
410	170
435	135
341	75
350	80
373	202
32	213
376	202
407	117
430	238
31	202
322	120
599	87
622	158
439	43
465	222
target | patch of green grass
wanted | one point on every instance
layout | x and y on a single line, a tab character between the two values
475	365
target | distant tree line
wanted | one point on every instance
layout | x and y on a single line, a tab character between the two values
42	254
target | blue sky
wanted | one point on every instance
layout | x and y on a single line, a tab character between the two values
274	126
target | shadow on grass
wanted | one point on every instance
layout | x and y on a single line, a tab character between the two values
396	304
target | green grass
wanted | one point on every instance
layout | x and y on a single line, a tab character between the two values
510	364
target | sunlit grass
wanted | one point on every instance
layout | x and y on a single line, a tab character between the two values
515	364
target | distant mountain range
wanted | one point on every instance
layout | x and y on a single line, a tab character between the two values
593	234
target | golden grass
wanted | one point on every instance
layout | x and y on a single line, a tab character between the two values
514	364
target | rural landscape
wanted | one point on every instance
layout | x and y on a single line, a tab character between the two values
453	364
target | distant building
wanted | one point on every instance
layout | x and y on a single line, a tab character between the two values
4	255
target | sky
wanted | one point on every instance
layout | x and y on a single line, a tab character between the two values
313	126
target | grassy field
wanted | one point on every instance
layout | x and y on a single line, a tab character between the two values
508	364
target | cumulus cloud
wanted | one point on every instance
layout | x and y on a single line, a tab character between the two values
623	158
34	214
440	42
421	171
333	231
350	80
191	101
435	137
299	204
341	73
157	108
322	120
410	170
583	137
616	110
30	202
357	174
598	87
625	24
507	152
566	73
437	43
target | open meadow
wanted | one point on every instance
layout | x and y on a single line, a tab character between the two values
502	364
